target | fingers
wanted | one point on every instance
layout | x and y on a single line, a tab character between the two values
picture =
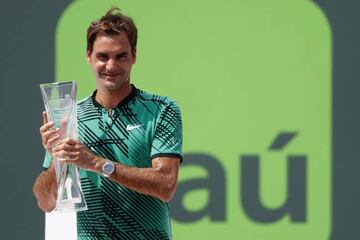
46	130
52	141
69	141
50	134
46	127
69	145
69	151
66	155
45	117
64	121
63	125
66	149
66	144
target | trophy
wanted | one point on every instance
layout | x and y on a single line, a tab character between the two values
60	104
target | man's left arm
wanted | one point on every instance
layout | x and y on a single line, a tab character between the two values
158	181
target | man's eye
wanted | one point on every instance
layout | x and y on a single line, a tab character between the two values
102	58
121	56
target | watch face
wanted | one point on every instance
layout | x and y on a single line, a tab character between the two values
108	168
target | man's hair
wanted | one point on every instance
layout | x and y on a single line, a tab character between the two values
113	23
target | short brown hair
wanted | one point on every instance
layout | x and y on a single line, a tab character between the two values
113	23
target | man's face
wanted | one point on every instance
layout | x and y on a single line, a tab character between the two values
111	60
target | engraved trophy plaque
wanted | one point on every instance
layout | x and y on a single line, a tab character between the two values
60	104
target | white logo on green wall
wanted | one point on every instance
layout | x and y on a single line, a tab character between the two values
253	80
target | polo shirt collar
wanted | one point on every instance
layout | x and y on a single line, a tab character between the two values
133	93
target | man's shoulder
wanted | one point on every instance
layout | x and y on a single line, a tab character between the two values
85	106
155	99
84	101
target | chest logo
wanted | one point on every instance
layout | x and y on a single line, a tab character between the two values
132	127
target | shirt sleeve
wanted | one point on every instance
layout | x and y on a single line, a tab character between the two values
167	139
47	160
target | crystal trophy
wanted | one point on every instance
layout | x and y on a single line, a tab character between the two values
60	104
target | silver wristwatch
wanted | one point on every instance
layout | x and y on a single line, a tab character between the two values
108	168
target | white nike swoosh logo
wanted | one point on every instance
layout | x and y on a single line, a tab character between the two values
129	127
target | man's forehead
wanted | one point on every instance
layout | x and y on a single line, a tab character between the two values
106	41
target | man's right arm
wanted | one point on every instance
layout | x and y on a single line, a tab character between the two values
45	189
45	186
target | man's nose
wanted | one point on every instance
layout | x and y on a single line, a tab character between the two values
111	65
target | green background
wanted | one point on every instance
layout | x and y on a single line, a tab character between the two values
242	71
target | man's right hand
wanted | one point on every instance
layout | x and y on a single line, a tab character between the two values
49	134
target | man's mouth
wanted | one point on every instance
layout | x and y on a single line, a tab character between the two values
111	74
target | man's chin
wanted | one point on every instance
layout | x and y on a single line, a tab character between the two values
113	85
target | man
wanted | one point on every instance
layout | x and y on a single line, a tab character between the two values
129	149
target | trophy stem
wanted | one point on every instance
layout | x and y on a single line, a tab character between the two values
70	195
69	191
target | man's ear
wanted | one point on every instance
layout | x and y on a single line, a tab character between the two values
88	54
134	56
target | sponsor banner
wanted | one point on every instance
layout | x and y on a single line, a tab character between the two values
253	80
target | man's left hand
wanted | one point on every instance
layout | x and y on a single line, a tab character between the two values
75	152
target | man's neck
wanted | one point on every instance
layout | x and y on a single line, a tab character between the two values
111	98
